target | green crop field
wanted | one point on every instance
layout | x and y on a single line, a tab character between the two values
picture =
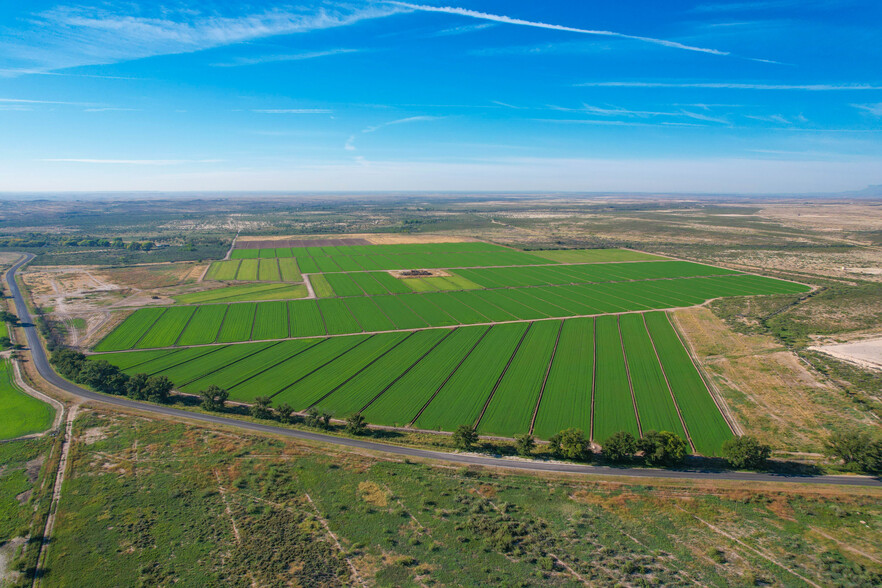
21	414
248	270
204	325
566	400
441	378
613	405
563	356
321	286
510	411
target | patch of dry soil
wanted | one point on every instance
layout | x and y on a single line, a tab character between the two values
867	354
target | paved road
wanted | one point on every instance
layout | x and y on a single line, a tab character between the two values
43	367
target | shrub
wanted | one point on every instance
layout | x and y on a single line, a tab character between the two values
465	437
285	413
261	408
214	398
663	448
525	444
620	446
857	450
570	444
355	424
746	452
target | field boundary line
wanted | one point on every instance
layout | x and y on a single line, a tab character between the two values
187	324
220	327
450	375
66	443
628	372
405	372
385	314
435	304
755	550
333	536
232	246
668	384
502	375
361	369
235	361
545	379
253	322
352	314
322	315
240	382
711	389
175	364
147	330
593	377
306	375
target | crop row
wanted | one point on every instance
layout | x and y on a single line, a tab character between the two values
336	316
253	269
504	379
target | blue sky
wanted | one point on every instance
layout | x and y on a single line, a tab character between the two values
695	96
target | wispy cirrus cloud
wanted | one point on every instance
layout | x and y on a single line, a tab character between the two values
292	110
874	109
400	121
245	61
734	86
76	36
130	161
350	142
617	111
465	29
542	25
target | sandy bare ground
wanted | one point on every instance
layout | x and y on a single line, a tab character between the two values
376	239
867	354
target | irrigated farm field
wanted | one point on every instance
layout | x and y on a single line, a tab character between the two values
504	379
557	339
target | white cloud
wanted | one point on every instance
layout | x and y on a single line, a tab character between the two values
542	25
130	161
733	86
244	61
463	30
400	121
350	143
292	110
874	109
772	118
69	37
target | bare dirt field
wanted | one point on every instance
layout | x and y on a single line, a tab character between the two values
374	239
867	354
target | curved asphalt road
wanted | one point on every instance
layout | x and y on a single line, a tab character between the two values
43	367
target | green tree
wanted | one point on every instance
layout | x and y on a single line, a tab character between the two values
102	376
68	362
285	413
570	444
857	450
355	424
261	408
745	452
214	398
8	317
525	444
663	448
620	446
136	385
464	437
157	389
